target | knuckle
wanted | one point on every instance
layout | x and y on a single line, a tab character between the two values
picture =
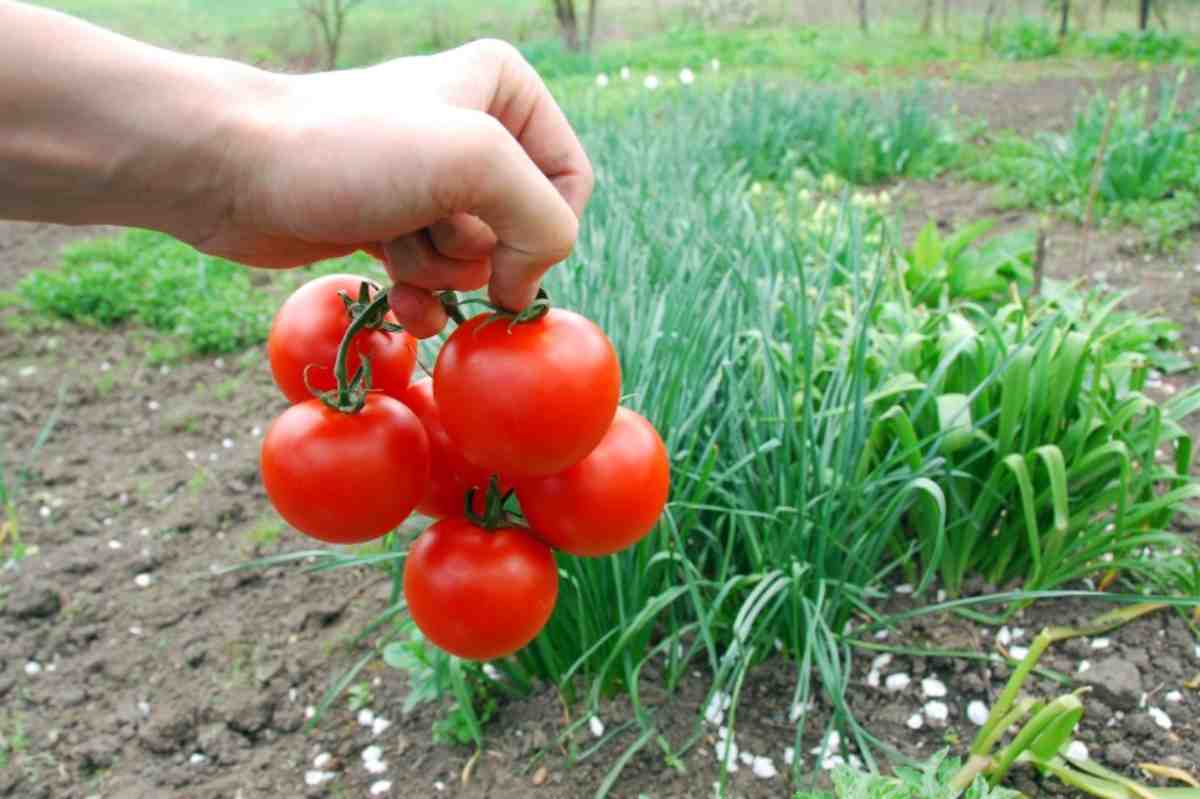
497	51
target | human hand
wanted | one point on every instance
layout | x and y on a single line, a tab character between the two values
458	170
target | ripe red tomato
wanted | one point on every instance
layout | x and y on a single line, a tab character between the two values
451	475
607	501
307	330
527	399
476	593
346	478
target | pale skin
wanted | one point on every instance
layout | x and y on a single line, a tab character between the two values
458	170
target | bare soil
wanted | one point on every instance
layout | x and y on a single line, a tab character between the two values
128	669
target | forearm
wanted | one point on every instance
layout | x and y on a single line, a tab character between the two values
96	128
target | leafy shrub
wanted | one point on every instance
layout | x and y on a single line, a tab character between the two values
1027	41
1151	161
1148	45
207	303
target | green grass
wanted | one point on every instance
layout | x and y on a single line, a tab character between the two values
203	304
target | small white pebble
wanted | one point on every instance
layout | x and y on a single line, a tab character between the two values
145	531
314	778
881	635
686	77
933	687
33	667
219	363
789	755
725	748
904	588
1084	665
144	708
1100	643
439	786
915	722
601	80
936	711
880	661
190	454
941	594
763	768
143	580
379	726
227	443
292	694
212	456
832	762
372	753
873	679
897	682
164	370
1160	717
796	711
105	366
1004	636
380	787
153	405
1077	750
714	713
322	760
375	766
977	712
135	630
44	512
1018	652
624	73
256	431
197	758
830	745
27	371
1174	696
651	82
366	718
746	758
596	726
309	712
114	544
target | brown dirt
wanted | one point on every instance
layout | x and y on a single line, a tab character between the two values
195	685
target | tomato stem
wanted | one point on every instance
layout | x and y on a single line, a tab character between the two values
494	516
535	310
363	314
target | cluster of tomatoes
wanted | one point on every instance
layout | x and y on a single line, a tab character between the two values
519	406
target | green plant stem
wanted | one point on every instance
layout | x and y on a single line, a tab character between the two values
339	366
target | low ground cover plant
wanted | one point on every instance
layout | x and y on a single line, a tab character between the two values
1140	151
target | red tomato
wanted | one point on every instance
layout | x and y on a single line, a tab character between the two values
607	501
527	399
476	593
307	330
346	478
451	476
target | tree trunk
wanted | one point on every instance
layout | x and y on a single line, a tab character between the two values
862	16
988	16
927	18
1160	13
591	23
1143	14
564	10
1064	24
